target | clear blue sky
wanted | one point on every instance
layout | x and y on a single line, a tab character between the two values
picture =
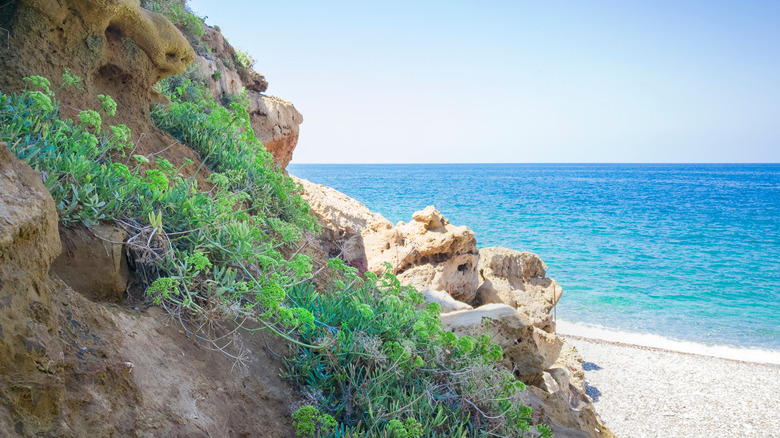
519	81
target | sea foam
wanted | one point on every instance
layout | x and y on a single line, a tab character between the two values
594	331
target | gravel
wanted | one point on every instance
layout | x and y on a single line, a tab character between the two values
647	392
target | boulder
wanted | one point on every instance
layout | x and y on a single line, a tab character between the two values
427	253
94	262
528	351
518	279
343	221
559	400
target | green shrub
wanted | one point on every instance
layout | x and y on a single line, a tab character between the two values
244	59
180	15
215	252
388	369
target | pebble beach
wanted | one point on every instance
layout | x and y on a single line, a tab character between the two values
644	392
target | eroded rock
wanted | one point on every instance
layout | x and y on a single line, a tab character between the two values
428	253
447	303
276	124
528	351
558	399
517	279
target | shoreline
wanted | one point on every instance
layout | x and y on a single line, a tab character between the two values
663	350
648	340
641	391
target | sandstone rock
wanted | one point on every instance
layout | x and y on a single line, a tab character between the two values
528	351
117	48
517	279
336	210
221	79
93	262
428	253
447	303
28	220
343	221
276	124
29	349
558	399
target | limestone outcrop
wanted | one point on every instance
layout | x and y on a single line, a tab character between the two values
559	399
428	253
276	124
518	279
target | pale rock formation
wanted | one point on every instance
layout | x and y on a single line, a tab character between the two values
276	124
428	253
221	79
338	211
559	399
518	279
528	351
93	261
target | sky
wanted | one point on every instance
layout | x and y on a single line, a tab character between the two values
524	81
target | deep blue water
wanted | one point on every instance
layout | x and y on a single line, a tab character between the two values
686	251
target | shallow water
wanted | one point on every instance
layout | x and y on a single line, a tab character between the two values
687	251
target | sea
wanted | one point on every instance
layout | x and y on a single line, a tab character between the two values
678	256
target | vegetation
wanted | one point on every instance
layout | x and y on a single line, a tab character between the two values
371	358
178	13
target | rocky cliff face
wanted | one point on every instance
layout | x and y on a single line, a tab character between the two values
276	122
123	50
497	291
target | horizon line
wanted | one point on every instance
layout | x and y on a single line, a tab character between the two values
545	162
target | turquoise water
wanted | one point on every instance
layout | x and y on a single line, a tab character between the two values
690	252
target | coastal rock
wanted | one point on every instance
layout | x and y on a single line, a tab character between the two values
517	279
343	221
336	210
558	399
428	253
276	124
221	79
528	351
93	262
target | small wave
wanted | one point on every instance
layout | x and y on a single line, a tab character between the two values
655	341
